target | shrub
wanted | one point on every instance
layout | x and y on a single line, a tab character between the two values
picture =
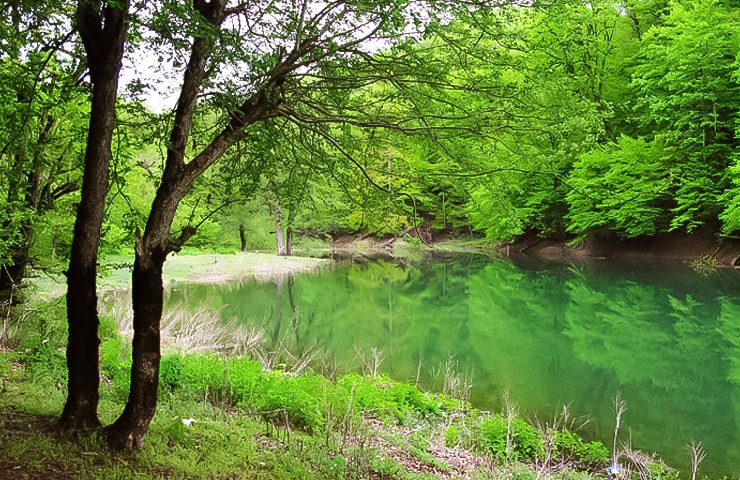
660	471
204	373
116	365
386	396
526	441
298	400
42	340
452	436
246	380
569	444
170	372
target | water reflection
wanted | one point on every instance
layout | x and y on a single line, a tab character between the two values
666	337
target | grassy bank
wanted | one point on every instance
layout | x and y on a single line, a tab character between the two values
250	421
115	270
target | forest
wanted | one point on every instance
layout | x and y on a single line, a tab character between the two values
137	134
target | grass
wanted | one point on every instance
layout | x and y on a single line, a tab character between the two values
218	445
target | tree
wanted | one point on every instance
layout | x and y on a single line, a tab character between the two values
102	27
621	188
688	95
43	106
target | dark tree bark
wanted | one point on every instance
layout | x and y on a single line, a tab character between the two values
103	33
153	246
27	185
243	238
11	275
289	241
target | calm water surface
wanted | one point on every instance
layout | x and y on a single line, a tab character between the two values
665	337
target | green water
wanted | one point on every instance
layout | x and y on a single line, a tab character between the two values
667	338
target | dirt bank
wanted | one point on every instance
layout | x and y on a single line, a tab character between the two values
681	246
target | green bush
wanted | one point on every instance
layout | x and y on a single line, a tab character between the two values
386	396
299	400
452	436
108	328
569	444
246	380
170	372
43	337
115	364
204	373
660	471
526	441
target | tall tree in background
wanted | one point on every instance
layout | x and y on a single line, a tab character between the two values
102	28
42	107
687	87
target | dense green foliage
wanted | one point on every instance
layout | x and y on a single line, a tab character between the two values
565	120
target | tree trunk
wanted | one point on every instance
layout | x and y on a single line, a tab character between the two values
12	274
154	245
243	238
289	241
148	293
103	37
279	230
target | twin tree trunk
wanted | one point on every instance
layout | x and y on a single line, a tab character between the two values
155	244
128	431
147	292
103	37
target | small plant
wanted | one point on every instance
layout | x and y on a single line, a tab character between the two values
697	456
511	439
705	265
452	436
568	443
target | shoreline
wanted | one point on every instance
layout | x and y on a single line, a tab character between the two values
701	247
197	268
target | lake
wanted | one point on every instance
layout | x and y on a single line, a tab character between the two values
550	334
